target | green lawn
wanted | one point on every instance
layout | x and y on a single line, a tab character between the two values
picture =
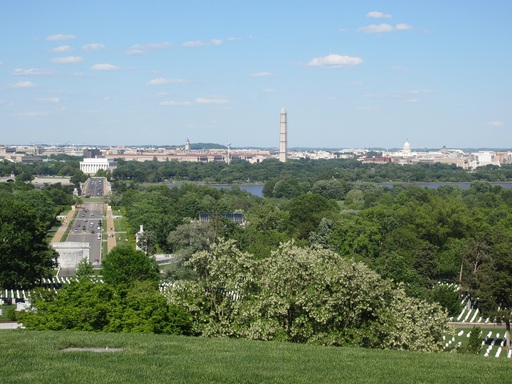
463	339
37	357
119	225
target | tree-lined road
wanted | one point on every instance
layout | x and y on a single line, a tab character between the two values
87	229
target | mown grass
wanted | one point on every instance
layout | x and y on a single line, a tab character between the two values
119	225
464	338
37	357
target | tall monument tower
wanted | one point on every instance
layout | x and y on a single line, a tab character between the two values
282	137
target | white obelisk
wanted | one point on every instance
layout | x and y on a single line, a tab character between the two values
282	137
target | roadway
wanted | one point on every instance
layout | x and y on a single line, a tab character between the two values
87	227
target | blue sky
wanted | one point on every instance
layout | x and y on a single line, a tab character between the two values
349	73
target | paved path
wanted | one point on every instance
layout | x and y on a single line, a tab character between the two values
62	229
111	230
10	325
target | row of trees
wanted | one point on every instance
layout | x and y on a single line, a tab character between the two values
57	165
299	171
415	237
26	215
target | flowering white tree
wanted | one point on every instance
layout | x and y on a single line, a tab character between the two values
305	295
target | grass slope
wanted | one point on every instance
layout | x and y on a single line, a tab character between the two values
37	357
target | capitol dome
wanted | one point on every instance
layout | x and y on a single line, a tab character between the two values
406	148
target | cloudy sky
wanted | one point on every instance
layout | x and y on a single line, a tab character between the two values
349	73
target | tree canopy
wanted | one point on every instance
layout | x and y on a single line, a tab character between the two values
25	256
123	265
306	295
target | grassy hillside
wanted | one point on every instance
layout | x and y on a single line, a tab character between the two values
38	357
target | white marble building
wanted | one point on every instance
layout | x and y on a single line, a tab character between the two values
90	166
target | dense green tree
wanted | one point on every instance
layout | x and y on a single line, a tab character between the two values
474	345
306	212
305	295
92	306
123	266
85	270
488	276
331	188
25	256
448	297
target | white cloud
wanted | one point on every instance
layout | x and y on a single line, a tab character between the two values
163	80
376	28
31	72
212	100
159	81
93	47
217	41
60	37
496	123
67	60
335	61
50	99
381	28
412	101
261	74
104	67
23	84
378	15
175	103
196	43
269	90
139	49
62	48
403	27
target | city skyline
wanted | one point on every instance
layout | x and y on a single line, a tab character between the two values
350	74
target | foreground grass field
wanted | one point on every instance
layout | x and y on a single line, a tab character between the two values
38	357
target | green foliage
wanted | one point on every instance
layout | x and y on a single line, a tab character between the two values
11	314
306	212
123	266
85	270
330	188
92	306
448	297
304	295
25	257
487	274
474	345
294	172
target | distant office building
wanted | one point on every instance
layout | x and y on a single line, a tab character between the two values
90	153
282	137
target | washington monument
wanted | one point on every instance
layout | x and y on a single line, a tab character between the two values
282	137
